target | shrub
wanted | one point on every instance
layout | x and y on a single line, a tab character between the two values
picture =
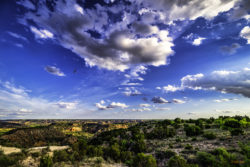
236	131
209	135
206	159
232	123
177	161
94	151
188	147
113	152
142	160
193	130
6	161
169	153
60	155
46	161
161	132
126	156
177	120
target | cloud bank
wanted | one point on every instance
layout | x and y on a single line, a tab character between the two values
119	35
236	82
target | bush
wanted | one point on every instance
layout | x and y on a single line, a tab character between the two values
177	120
193	130
206	159
60	155
161	132
177	161
113	152
46	161
126	156
236	131
6	161
94	151
142	160
209	135
10	160
232	123
169	153
188	147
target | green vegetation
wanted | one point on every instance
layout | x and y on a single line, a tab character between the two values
213	142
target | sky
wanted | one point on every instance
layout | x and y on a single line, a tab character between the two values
126	59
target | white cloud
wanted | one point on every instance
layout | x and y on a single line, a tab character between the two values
245	33
54	70
131	91
189	10
144	105
236	82
25	110
119	48
78	8
198	41
117	104
178	101
125	43
42	34
169	88
112	105
139	109
18	36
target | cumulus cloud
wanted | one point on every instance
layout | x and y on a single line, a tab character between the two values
131	91
230	49
245	33
241	10
101	105
133	77
120	35
159	100
194	39
54	70
169	88
237	82
119	46
198	41
189	10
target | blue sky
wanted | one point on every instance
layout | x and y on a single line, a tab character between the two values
124	59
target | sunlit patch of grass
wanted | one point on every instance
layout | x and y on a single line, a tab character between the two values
80	134
5	130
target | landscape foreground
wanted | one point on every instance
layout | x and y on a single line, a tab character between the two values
213	142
